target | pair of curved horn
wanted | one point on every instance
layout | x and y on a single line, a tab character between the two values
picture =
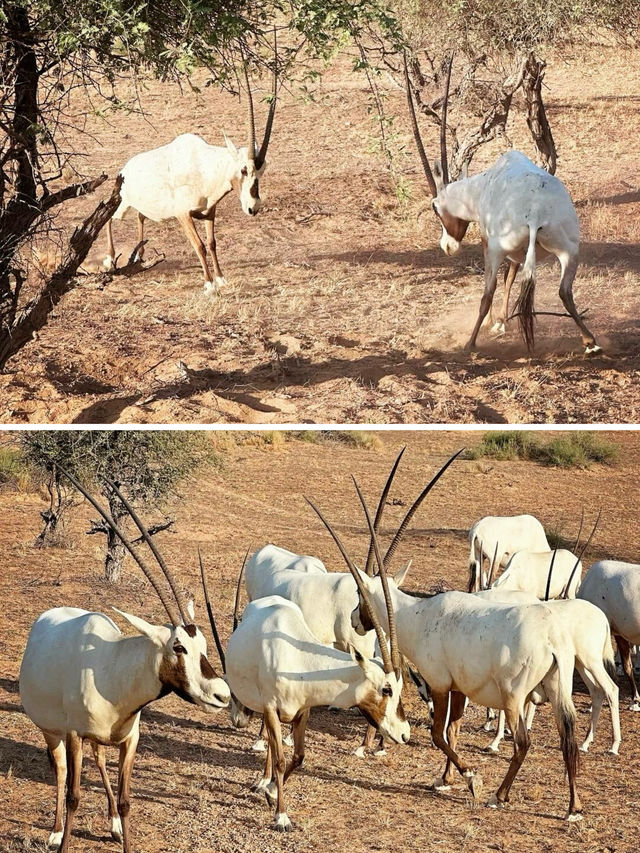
260	156
582	550
207	600
364	595
443	128
129	546
380	510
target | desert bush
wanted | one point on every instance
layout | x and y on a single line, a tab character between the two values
573	450
14	470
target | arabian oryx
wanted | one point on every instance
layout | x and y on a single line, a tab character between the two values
186	178
81	679
528	571
464	646
523	214
512	533
614	587
276	667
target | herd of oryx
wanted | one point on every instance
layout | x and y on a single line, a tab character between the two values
310	638
523	213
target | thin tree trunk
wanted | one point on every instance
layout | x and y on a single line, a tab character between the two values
115	549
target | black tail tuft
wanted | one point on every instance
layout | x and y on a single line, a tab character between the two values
570	751
524	310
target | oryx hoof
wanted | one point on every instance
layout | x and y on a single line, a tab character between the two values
573	817
440	785
592	349
221	281
498	328
259	746
585	747
271	793
288	741
474	783
116	829
635	706
380	753
55	840
283	824
494	803
614	749
494	750
260	784
360	752
108	265
487	726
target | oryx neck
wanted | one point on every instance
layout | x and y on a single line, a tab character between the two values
463	197
135	673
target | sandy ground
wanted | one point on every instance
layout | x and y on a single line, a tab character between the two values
192	777
340	305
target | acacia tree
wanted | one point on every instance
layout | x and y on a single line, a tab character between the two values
147	466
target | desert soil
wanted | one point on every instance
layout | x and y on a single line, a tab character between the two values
340	305
193	772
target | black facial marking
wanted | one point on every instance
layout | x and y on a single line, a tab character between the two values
191	630
206	669
387	690
179	649
253	192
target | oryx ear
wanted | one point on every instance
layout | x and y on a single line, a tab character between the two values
230	146
158	634
365	665
437	174
401	576
191	611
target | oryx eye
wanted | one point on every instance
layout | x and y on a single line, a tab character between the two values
243	171
178	648
387	691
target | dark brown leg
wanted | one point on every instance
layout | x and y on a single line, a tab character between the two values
141	219
491	265
194	238
440	706
456	712
127	757
114	819
521	743
503	316
569	268
624	647
209	225
274	730
74	773
299	730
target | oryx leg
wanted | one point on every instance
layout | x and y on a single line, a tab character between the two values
521	743
565	723
492	261
74	773
194	238
601	686
260	745
125	769
494	746
263	783
114	819
569	266
140	252
530	714
299	731
624	648
440	712
209	225
499	327
110	258
368	742
274	730
58	758
457	704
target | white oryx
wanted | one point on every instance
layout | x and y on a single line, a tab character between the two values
614	587
523	214
186	179
270	560
511	533
276	667
528	571
466	647
81	679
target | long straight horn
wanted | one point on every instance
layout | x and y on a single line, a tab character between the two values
575	547
125	541
491	568
147	538
380	510
553	558
262	153
251	121
444	161
416	133
412	511
396	659
384	651
238	590
212	621
584	548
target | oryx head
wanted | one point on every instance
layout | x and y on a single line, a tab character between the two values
454	227
381	700
251	161
183	667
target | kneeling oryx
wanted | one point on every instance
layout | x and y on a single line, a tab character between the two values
523	214
186	178
275	666
464	646
81	679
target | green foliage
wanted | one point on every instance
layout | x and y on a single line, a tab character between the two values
14	472
147	463
575	450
